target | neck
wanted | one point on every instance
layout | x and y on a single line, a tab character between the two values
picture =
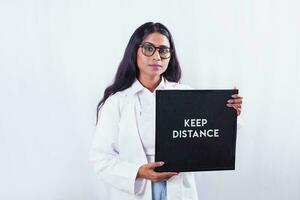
149	82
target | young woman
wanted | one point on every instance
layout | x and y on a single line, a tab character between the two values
123	147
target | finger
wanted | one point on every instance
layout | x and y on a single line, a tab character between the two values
235	101
164	175
239	105
236	96
238	110
234	105
155	164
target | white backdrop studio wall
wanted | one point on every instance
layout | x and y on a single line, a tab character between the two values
57	57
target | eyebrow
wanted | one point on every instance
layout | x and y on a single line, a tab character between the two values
158	46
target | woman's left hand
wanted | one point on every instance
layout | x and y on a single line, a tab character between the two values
236	103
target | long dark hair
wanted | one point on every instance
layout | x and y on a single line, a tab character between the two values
128	69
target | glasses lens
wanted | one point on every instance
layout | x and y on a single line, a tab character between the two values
148	49
164	52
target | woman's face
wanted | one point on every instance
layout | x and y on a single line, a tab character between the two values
156	64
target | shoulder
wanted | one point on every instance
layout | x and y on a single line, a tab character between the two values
113	99
112	103
116	101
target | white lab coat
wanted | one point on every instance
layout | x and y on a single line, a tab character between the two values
117	152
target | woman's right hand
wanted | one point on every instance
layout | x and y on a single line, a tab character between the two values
147	171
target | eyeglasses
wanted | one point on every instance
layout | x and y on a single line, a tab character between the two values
149	49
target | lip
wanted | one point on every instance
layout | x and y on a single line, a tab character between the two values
155	65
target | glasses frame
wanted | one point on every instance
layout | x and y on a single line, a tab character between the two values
142	45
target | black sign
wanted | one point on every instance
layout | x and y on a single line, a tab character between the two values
195	130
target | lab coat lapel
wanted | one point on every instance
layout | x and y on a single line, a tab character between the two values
131	136
129	120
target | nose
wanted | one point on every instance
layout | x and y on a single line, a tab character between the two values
156	55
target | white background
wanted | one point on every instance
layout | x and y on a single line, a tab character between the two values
57	57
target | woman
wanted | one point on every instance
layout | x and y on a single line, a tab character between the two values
123	147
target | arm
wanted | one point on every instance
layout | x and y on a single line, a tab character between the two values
104	153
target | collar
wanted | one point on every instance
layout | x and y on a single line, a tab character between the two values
137	86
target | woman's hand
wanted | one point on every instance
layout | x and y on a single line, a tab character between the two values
147	171
236	103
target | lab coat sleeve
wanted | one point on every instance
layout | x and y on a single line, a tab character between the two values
104	153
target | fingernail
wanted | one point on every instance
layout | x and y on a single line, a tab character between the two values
229	101
234	95
229	105
161	163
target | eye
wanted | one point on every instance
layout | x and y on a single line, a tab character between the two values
164	50
148	47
